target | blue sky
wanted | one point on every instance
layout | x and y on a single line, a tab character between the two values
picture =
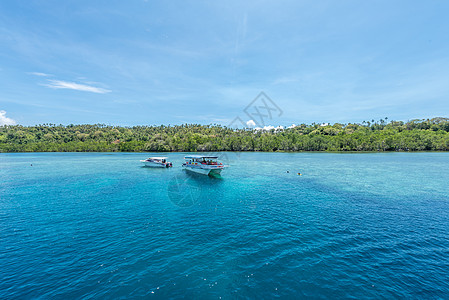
172	62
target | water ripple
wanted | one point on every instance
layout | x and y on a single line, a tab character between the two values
106	228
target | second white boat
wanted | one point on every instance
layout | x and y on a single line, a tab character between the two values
157	162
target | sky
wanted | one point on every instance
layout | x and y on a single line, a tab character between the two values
143	62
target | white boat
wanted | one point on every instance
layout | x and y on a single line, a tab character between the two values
203	164
157	162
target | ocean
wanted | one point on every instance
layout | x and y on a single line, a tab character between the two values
99	225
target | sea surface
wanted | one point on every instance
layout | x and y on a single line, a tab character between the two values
99	225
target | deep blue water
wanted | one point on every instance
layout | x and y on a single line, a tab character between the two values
83	225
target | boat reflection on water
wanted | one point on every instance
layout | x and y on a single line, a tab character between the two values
187	188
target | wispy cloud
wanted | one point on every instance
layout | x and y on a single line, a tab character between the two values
39	74
5	120
285	80
59	84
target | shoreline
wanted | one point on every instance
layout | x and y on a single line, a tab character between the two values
288	152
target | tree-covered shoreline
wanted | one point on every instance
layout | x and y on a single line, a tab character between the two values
414	135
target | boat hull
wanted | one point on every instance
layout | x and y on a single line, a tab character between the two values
204	171
154	165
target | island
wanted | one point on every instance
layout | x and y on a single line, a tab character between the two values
381	135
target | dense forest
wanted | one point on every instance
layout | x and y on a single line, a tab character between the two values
415	135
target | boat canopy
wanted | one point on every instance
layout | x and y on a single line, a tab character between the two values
200	156
158	158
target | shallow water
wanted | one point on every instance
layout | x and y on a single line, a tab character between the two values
83	225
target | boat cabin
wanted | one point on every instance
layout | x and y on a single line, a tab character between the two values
158	159
201	159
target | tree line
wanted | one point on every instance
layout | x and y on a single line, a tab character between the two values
380	135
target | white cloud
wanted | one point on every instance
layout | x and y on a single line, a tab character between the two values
5	120
59	84
39	74
279	128
269	127
250	123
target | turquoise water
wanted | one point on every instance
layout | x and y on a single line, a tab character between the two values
83	225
